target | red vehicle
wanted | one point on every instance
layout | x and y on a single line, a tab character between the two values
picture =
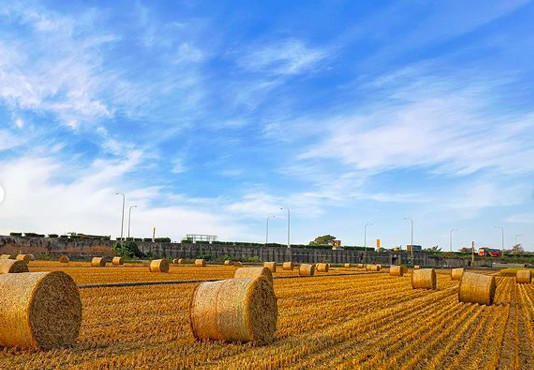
488	252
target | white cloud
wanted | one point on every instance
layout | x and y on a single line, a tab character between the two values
521	218
288	57
8	140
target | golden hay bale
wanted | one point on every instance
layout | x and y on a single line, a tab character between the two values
270	265
397	270
41	310
477	288
227	263
12	266
416	267
375	267
32	257
64	259
424	279
322	267
253	273
182	261
161	265
117	261
456	274
288	266
98	262
24	257
6	257
306	270
200	262
360	265
234	310
348	265
523	276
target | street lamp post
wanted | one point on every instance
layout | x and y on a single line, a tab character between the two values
450	238
122	218
267	230
502	239
411	221
129	218
288	227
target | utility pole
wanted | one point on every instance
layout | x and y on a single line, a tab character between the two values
122	218
154	234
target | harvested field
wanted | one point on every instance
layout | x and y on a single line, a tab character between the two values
371	320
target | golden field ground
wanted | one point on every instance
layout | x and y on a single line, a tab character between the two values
362	321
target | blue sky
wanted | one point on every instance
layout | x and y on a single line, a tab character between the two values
211	116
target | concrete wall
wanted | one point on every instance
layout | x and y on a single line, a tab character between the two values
86	248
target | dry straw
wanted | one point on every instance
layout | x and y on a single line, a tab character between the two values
270	265
477	288
6	257
288	266
523	276
200	262
323	267
64	259
159	266
12	266
118	261
397	270
424	279
40	310
98	262
456	274
24	257
306	270
253	273
234	310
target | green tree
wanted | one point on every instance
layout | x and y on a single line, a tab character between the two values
323	240
128	249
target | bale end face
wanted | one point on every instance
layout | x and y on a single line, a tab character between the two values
160	265
24	257
477	288
523	277
200	262
396	271
40	310
322	267
13	266
234	310
117	261
424	279
270	265
288	266
306	270
98	262
227	263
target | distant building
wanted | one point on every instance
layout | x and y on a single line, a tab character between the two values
201	237
415	248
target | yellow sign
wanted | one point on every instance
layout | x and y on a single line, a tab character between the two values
378	243
336	243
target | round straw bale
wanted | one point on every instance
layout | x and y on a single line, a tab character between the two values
523	276
347	265
200	262
32	257
227	263
176	261
288	266
416	267
396	271
375	267
64	259
234	310
253	272
306	270
322	267
6	257
41	310
118	261
424	279
159	266
98	262
477	288
181	261
270	265
456	274
24	257
12	266
360	265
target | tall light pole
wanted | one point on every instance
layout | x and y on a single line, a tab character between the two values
502	239
122	219
450	237
288	227
129	218
267	230
411	221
